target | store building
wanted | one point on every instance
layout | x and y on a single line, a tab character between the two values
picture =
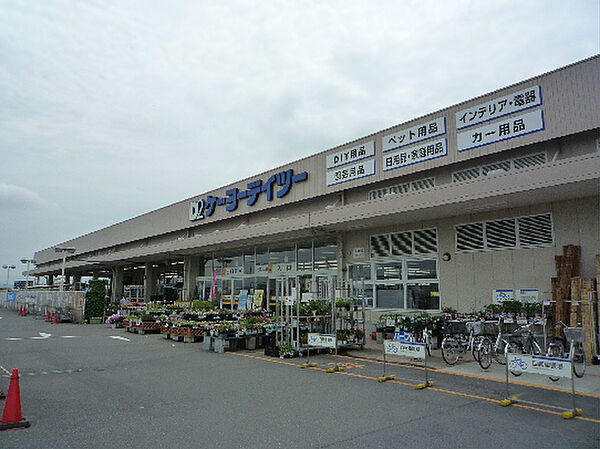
446	210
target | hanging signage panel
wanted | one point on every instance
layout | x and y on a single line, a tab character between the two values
351	172
353	154
501	295
414	155
499	107
417	133
508	128
528	295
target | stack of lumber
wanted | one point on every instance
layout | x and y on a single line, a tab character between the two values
567	267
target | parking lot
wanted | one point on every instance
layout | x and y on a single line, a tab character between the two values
93	387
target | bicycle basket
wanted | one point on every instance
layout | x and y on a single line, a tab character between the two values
476	327
576	334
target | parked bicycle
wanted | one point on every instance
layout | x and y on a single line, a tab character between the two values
573	339
456	344
494	350
525	344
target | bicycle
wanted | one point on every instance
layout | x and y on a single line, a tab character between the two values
526	344
454	347
573	339
489	350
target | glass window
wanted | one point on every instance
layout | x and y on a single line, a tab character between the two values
249	263
305	257
325	256
389	271
208	268
390	296
422	269
262	256
282	255
423	296
359	272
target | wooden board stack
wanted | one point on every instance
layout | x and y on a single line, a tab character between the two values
567	266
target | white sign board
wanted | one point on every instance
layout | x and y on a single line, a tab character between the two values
535	364
528	295
353	154
405	349
351	172
414	155
501	295
508	128
358	253
508	104
417	133
322	340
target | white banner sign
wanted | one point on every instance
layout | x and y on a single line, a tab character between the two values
524	99
322	340
502	295
353	154
414	134
405	349
528	295
535	364
351	172
414	155
508	128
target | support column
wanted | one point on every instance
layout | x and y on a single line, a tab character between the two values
191	269
118	276
67	280
50	279
150	279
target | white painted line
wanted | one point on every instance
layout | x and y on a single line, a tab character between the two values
13	339
69	336
115	337
42	336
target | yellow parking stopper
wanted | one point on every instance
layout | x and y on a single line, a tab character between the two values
304	365
571	414
509	401
329	370
386	378
425	385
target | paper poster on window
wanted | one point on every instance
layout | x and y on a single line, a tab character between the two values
528	295
507	128
243	299
258	299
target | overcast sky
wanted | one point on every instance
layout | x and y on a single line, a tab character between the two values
110	109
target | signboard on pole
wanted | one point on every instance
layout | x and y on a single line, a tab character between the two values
405	349
11	296
547	366
322	340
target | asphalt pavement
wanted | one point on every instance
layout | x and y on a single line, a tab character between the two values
96	387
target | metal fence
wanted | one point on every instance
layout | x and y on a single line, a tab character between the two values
68	305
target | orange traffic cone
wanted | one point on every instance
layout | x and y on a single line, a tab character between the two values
11	415
55	319
48	318
24	310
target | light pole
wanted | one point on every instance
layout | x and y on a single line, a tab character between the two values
27	261
64	250
8	268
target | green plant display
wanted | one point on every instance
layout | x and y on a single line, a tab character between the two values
95	299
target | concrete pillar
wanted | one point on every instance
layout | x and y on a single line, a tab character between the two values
150	278
67	279
191	269
118	276
50	279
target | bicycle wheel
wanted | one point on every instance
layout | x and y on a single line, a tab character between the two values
485	353
578	360
555	351
514	348
475	349
450	350
498	352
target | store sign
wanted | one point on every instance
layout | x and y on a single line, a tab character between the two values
528	295
275	268
322	340
501	295
231	271
508	104
417	133
546	366
353	154
405	349
279	184
414	155
351	172
509	128
11	296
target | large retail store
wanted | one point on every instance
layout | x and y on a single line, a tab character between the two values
451	209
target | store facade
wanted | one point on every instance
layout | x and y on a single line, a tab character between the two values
441	211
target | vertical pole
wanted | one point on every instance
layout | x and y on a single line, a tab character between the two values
571	354
62	277
506	358
384	358
426	370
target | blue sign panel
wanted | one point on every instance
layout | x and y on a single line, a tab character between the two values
11	296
